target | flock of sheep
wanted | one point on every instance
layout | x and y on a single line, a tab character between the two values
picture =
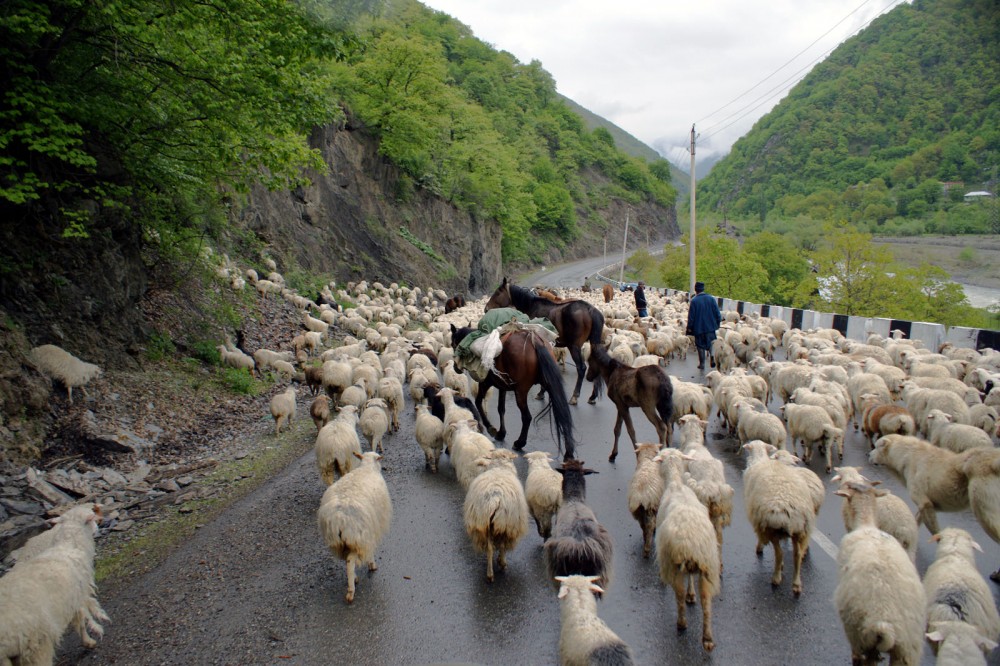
931	417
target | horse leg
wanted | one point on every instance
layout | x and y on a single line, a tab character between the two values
618	432
541	394
628	425
581	372
480	396
522	404
501	411
662	430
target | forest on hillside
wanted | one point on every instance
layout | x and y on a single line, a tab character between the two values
888	133
141	116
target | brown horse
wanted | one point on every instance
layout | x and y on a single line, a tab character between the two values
576	322
609	292
455	302
527	359
647	387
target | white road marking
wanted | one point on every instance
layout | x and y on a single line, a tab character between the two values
829	547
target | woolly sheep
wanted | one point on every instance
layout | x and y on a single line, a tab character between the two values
354	515
644	493
56	363
429	432
879	596
579	544
319	410
919	401
39	598
751	424
584	638
466	445
982	469
933	476
236	359
779	505
892	515
830	404
374	422
705	475
337	445
356	394
956	437
879	419
955	590
391	390
336	376
866	383
313	341
959	644
983	417
283	409
543	490
264	358
813	426
371	377
284	369
686	545
495	511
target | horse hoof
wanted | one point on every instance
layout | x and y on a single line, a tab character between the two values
572	400
518	446
592	401
611	459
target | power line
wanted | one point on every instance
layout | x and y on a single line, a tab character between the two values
781	87
790	61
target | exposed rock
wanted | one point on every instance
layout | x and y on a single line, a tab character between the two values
46	490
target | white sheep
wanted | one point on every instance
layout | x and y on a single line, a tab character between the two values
584	638
264	358
457	381
466	445
356	394
779	504
313	324
57	363
313	340
644	492
496	511
39	598
813	425
866	383
920	401
374	422
686	545
391	390
892	515
959	644
354	515
429	433
982	469
954	587
236	359
543	490
337	445
336	376
752	424
283	409
956	437
832	404
984	417
705	475
879	596
880	419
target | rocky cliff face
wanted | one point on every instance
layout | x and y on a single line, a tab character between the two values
354	223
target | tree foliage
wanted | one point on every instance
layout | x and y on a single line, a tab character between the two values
873	133
118	102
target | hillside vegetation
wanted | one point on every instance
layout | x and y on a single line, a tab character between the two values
887	133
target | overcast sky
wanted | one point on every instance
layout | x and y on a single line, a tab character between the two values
654	67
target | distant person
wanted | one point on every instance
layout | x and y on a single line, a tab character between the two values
703	321
640	299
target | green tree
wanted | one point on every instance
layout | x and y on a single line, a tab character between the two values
852	273
786	265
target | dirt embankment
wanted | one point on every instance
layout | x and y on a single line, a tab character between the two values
967	259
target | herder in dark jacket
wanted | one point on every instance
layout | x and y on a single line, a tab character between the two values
640	299
703	321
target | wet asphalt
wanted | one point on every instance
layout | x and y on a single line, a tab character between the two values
257	585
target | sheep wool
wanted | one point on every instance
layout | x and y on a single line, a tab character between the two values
283	409
337	445
955	590
496	511
543	489
59	364
584	638
355	514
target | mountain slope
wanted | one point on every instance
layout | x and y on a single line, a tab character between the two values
908	103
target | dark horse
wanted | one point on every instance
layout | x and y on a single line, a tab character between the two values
526	360
647	387
576	322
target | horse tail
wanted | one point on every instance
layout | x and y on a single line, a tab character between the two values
665	400
596	328
558	405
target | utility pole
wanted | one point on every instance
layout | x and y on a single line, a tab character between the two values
621	273
691	240
605	251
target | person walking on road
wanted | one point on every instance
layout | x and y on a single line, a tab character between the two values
640	299
703	321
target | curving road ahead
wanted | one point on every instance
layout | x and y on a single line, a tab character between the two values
257	586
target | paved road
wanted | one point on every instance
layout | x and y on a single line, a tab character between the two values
257	586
